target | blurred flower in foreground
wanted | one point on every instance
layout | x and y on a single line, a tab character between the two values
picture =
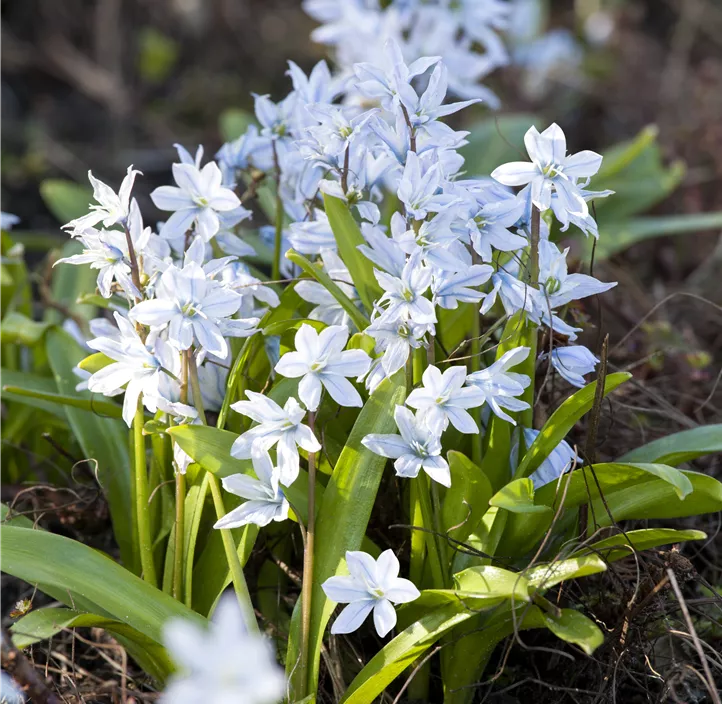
223	663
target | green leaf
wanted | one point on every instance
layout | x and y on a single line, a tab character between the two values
401	652
31	382
234	122
281	326
547	575
38	557
211	449
563	420
348	238
42	624
65	200
518	497
71	283
359	319
497	140
467	500
618	236
637	491
679	447
104	409
344	514
574	627
19	329
617	546
104	440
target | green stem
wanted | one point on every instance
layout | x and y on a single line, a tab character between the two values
475	366
180	511
141	497
432	540
308	559
229	544
534	245
276	265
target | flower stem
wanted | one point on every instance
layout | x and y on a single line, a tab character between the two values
432	540
180	511
534	245
276	265
229	544
307	585
141	498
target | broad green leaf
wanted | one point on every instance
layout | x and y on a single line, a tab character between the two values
621	156
467	500
359	319
66	200
104	440
563	420
211	449
617	546
574	627
31	382
492	581
344	514
38	557
518	497
496	140
402	651
547	575
615	237
348	238
42	624
71	283
20	330
281	326
636	491
105	409
679	447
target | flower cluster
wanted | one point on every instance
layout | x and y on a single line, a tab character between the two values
449	241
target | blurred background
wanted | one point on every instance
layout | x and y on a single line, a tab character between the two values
100	84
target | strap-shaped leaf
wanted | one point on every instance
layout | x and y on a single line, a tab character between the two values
617	547
359	319
343	516
563	420
42	624
348	238
104	440
467	500
679	447
70	567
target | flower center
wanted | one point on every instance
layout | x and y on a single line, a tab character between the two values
419	448
408	295
377	592
201	201
318	365
551	171
552	285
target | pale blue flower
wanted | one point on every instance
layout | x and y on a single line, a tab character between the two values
372	585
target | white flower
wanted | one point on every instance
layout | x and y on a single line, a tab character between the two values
112	208
573	362
198	198
395	338
419	188
444	399
266	501
194	308
10	690
417	447
136	365
560	460
223	663
373	585
276	425
500	386
405	295
551	170
320	361
8	221
559	287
